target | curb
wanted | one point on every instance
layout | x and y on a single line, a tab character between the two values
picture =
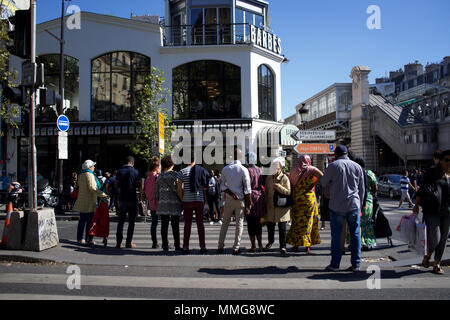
26	259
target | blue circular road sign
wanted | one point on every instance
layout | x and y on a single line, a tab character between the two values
63	123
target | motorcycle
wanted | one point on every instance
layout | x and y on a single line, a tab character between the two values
46	195
16	195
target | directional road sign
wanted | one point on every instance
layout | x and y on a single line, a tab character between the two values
315	148
315	135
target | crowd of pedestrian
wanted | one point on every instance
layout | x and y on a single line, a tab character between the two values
293	201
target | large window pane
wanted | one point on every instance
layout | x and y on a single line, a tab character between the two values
266	94
214	70
322	106
211	26
239	26
259	21
101	96
116	79
140	62
208	93
332	102
197	26
71	86
345	100
315	110
248	16
225	25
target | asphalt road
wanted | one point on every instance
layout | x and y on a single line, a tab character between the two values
188	278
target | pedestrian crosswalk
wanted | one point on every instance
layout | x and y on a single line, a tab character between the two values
240	283
142	237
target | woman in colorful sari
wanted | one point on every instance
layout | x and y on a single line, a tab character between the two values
304	231
368	241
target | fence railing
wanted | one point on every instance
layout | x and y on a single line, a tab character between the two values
207	34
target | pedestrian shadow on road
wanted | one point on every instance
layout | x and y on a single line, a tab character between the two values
113	251
348	276
253	271
318	274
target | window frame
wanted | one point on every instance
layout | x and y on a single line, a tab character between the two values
112	61
269	96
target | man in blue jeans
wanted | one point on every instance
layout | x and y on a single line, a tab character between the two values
346	181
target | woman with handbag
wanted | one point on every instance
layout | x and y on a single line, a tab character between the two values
434	198
278	189
86	203
304	231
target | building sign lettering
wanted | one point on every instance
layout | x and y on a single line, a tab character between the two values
265	39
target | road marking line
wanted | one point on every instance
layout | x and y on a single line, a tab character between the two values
227	283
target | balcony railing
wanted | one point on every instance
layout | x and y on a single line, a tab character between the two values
207	34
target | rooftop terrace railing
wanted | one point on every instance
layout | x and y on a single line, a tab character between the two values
206	34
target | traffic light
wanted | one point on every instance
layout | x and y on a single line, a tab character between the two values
21	35
48	97
16	94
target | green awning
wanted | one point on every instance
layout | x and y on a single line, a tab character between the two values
404	103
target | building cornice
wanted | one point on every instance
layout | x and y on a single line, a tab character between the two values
104	19
221	48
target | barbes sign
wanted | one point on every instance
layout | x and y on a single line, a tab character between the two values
265	39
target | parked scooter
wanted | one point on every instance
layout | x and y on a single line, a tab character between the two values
16	195
46	195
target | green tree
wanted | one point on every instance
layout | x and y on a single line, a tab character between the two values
8	112
148	102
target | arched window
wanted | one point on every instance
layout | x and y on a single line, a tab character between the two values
206	89
266	94
116	79
71	86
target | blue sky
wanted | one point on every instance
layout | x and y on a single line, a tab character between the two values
324	39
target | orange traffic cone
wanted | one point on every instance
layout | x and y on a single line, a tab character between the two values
7	221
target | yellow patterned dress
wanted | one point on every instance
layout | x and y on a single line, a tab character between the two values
304	230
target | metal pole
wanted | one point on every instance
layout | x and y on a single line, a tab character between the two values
61	93
32	195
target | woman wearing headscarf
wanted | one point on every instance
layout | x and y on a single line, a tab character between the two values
368	240
86	203
258	203
304	231
277	184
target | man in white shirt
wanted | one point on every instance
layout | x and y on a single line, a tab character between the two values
236	185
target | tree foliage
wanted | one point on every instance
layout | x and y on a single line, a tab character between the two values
149	101
8	112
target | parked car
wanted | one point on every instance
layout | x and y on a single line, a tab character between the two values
389	185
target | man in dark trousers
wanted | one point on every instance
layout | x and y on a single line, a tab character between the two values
127	180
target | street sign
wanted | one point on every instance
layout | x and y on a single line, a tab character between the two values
315	148
63	153
63	123
315	135
161	132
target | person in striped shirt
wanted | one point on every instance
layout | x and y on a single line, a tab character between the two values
405	184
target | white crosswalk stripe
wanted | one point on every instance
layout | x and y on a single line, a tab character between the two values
142	237
234	283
